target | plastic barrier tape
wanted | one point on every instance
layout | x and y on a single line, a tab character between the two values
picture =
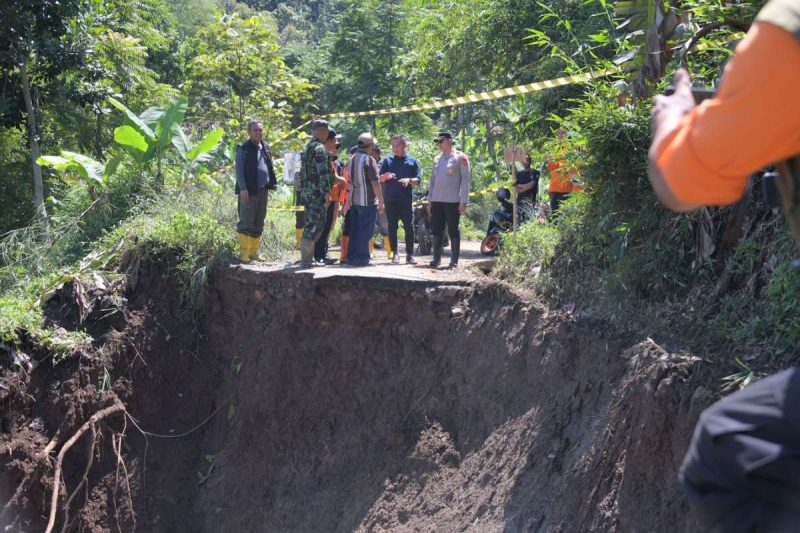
487	95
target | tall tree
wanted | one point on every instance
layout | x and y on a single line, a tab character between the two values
33	37
363	53
238	72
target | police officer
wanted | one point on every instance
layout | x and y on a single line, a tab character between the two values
317	179
448	196
742	469
255	176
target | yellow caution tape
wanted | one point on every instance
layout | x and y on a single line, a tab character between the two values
490	190
482	192
716	44
473	98
487	95
289	134
295	208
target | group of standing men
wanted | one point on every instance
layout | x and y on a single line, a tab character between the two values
369	186
360	190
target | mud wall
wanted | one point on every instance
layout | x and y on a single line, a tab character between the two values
363	405
340	404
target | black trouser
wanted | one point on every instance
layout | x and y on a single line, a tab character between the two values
321	247
742	469
441	213
555	200
526	205
346	225
445	212
299	216
395	212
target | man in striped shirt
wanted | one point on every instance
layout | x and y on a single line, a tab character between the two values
366	200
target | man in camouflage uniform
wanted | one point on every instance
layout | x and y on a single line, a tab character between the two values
317	180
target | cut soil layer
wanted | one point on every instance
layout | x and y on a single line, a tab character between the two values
342	404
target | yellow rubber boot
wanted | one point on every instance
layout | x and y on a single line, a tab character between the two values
343	253
298	237
371	247
244	248
388	245
255	244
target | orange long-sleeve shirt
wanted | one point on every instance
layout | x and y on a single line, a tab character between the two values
753	121
560	174
338	191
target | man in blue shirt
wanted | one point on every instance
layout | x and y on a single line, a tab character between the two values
399	173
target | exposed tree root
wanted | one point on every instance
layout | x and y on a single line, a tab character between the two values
84	479
117	445
88	425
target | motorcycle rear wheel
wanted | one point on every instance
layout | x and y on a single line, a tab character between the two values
424	238
489	244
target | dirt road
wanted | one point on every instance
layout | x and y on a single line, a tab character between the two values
471	264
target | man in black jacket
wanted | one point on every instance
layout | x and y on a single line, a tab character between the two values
255	175
527	190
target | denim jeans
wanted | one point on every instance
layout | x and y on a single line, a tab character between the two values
362	225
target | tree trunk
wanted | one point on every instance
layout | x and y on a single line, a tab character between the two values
492	151
33	139
159	176
98	134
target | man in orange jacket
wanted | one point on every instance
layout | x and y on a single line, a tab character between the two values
561	174
344	209
742	469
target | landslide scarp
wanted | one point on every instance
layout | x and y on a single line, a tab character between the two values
341	404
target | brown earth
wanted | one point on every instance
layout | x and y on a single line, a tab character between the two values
351	404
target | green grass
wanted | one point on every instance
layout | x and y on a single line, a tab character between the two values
531	248
190	230
197	229
22	319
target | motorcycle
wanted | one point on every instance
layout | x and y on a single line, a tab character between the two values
423	230
501	222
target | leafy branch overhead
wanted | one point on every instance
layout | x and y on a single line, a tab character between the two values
664	29
658	25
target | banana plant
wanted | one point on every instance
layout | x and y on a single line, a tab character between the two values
147	137
93	173
654	23
200	152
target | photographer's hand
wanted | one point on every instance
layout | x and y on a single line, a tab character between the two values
666	118
669	110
